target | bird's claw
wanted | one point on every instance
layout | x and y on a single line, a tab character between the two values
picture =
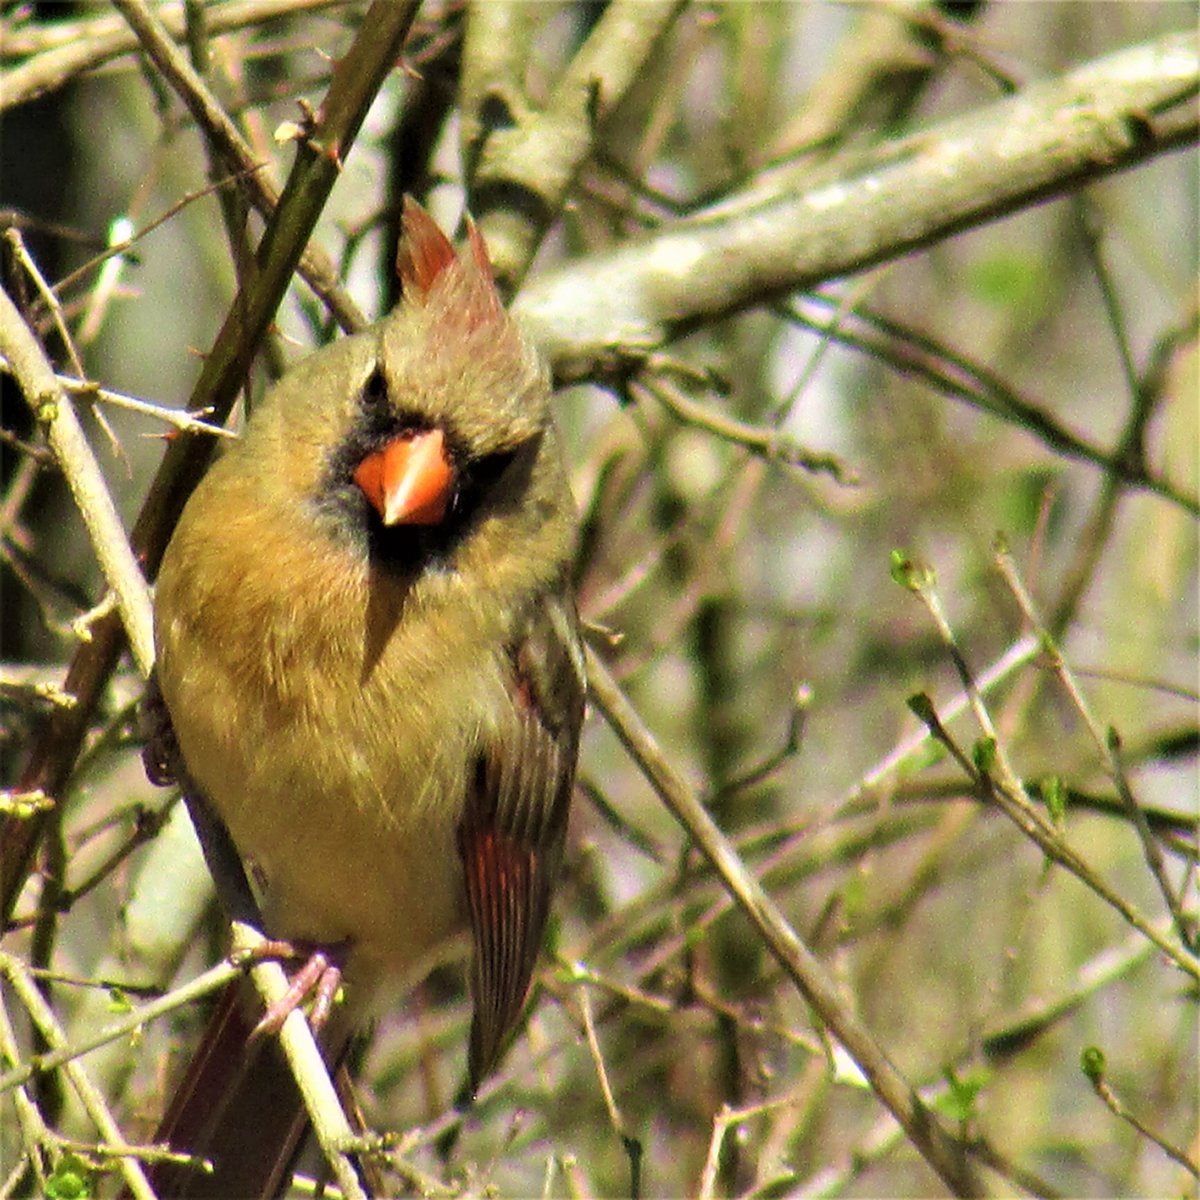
320	978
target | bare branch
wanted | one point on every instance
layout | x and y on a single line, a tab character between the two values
1044	141
72	47
944	1153
50	404
315	266
527	167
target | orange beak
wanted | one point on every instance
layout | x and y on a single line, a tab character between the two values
410	480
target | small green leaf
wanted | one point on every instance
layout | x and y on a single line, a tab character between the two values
958	1103
983	754
118	1002
45	407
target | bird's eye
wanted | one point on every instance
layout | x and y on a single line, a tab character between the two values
484	472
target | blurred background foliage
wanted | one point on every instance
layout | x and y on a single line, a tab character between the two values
745	604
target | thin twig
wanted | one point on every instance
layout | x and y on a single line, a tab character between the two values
725	1120
307	1066
1051	137
1008	1035
357	78
34	1132
93	1102
944	1153
1005	788
953	373
315	266
212	979
51	405
1107	744
175	417
1093	1068
632	1146
58	51
775	445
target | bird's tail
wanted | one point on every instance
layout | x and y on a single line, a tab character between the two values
237	1106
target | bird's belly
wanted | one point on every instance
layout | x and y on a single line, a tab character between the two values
348	831
394	895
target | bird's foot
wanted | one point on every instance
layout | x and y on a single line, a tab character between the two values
319	978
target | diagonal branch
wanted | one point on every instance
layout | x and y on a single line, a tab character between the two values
64	49
1047	140
526	168
356	80
50	403
944	1153
315	266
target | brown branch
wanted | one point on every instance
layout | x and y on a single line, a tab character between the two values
42	1015
356	79
526	168
315	266
999	783
50	404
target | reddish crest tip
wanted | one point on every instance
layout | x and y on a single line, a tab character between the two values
480	251
426	254
425	251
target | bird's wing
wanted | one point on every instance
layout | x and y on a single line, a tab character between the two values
515	820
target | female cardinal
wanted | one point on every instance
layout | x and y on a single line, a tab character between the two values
368	647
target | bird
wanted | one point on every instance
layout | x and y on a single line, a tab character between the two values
369	657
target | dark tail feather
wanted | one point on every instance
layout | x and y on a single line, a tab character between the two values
237	1106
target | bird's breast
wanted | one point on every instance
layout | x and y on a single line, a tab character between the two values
332	721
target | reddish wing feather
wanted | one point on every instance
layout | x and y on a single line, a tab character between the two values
514	824
508	895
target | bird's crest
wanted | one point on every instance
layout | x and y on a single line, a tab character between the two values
427	260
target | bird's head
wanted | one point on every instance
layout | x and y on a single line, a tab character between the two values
437	418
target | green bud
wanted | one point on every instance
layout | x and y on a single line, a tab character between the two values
909	573
983	754
1054	794
921	706
1091	1063
70	1180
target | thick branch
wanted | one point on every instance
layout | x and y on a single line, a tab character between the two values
1045	141
50	403
526	168
356	80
